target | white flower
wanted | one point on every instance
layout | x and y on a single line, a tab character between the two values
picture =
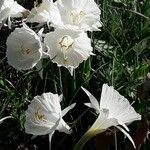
79	14
24	49
113	110
68	48
10	8
118	106
45	12
44	115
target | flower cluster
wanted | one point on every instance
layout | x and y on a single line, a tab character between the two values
68	45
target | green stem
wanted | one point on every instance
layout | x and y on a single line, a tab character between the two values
50	139
87	69
113	68
53	77
74	80
73	87
60	80
116	147
85	138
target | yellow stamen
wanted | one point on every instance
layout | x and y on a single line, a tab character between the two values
38	114
66	44
27	50
76	16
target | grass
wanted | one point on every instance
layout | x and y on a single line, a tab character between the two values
122	59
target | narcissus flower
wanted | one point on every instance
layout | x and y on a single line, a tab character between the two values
24	48
117	105
45	12
68	48
113	110
44	115
10	8
79	14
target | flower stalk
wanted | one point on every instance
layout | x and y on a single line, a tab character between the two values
50	141
85	138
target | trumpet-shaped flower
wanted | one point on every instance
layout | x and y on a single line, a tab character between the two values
79	14
68	48
44	115
24	48
45	12
117	105
113	110
10	8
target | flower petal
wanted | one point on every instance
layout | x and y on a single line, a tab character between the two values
47	11
102	123
10	8
65	111
118	105
40	129
125	133
60	98
63	127
93	100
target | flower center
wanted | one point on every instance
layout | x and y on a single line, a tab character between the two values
76	16
66	45
39	114
25	51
